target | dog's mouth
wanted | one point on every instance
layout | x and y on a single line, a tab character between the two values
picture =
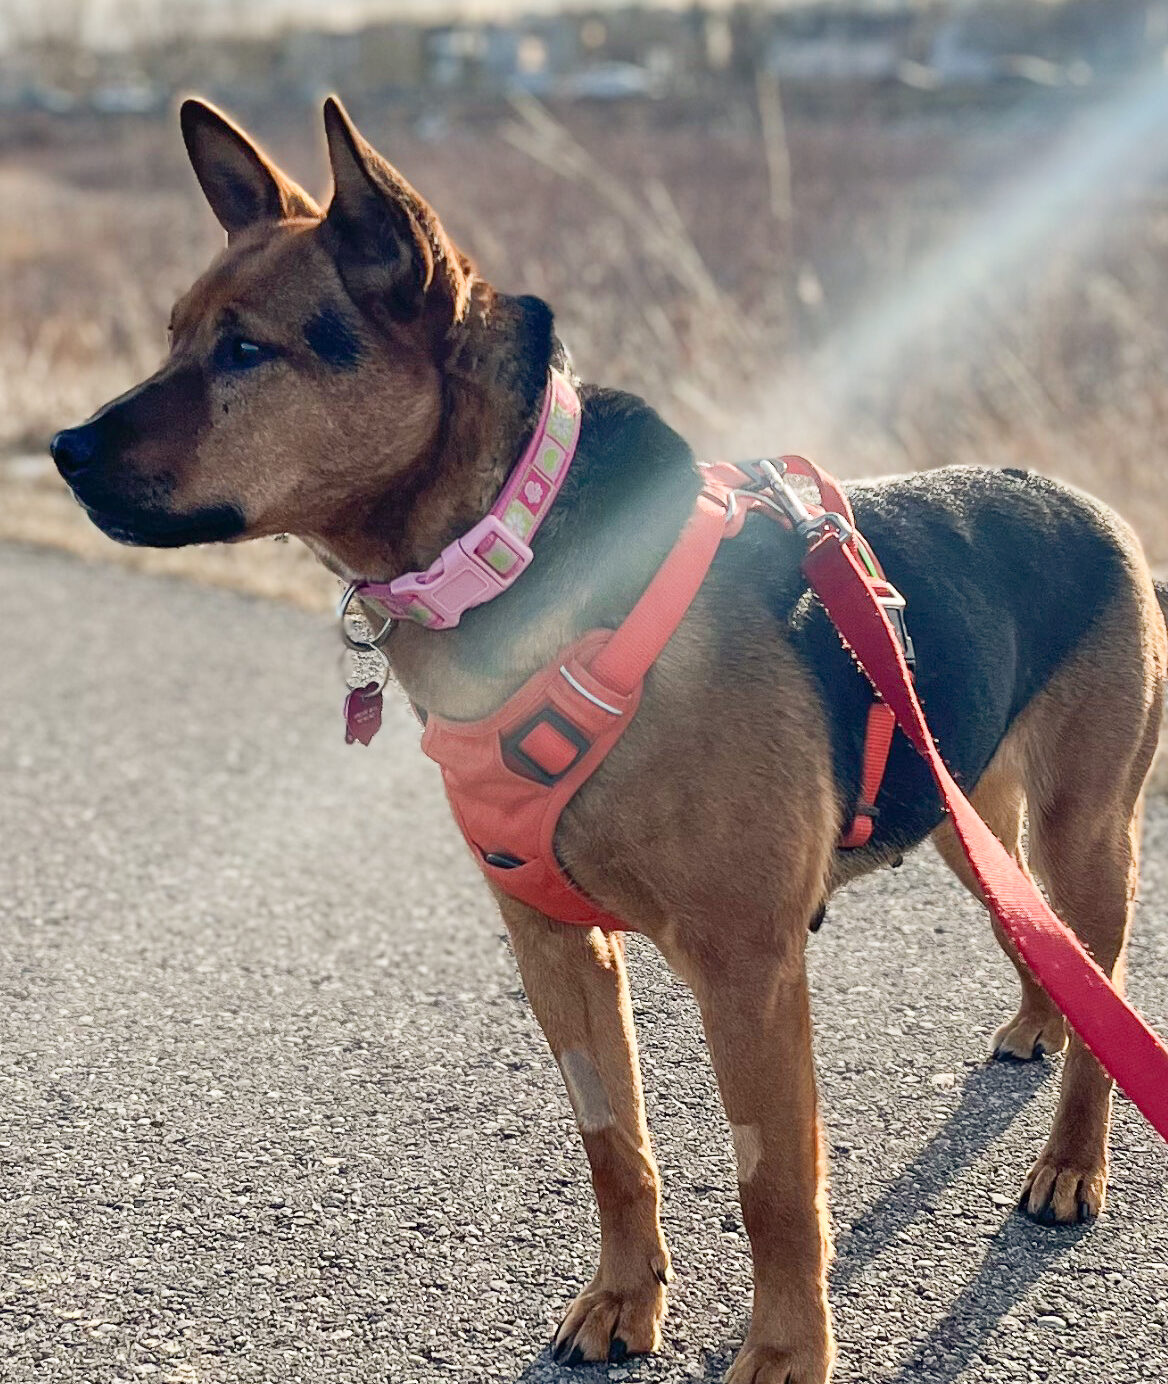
211	524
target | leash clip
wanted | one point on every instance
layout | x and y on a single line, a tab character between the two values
807	525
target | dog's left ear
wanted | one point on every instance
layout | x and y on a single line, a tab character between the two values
391	250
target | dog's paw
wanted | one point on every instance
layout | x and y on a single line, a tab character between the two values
607	1323
1062	1191
763	1364
1029	1036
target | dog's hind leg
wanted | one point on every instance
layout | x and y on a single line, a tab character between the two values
575	979
1038	1027
1091	740
1091	872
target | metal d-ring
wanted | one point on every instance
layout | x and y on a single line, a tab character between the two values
360	645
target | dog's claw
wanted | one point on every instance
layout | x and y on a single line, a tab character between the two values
606	1325
1045	1215
1057	1195
1029	1037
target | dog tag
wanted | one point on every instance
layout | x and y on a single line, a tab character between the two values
363	713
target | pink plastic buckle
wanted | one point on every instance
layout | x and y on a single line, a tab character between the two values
481	564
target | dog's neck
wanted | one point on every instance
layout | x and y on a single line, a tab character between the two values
493	381
628	492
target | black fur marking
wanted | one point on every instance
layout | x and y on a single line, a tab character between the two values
1004	575
135	504
150	528
537	344
330	335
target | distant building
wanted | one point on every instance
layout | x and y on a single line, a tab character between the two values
832	44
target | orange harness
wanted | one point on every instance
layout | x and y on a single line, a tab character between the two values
510	776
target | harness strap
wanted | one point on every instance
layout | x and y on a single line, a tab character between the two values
1121	1041
637	644
877	747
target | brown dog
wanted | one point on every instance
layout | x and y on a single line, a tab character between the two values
347	377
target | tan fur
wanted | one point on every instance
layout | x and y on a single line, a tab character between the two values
576	983
288	456
375	467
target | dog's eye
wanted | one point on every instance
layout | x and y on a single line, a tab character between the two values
238	353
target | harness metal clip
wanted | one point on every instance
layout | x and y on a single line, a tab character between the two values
806	524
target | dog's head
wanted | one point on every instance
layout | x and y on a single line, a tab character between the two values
305	369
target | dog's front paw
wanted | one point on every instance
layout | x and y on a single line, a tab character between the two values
765	1364
1029	1035
608	1322
1064	1191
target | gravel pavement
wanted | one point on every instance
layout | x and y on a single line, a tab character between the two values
273	1108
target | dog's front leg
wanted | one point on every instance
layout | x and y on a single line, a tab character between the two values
756	1012
575	979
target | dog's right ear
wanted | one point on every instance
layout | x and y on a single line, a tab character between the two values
241	183
391	250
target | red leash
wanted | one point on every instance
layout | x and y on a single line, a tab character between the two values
1122	1042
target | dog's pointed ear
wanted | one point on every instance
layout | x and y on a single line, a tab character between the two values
391	251
241	183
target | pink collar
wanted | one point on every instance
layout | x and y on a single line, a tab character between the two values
486	560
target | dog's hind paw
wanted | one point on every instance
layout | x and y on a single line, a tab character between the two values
1058	1193
1029	1036
610	1324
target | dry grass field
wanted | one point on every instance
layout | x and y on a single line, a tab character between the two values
883	288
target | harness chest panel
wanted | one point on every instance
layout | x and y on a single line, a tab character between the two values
510	776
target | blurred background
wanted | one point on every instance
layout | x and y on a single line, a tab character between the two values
889	233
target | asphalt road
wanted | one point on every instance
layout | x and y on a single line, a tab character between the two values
272	1106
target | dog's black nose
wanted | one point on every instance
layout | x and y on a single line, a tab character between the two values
74	450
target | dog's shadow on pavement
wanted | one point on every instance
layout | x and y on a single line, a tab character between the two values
1016	1257
991	1099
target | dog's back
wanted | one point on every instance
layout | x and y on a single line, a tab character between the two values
1009	577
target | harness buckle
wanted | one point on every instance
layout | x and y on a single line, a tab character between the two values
893	605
